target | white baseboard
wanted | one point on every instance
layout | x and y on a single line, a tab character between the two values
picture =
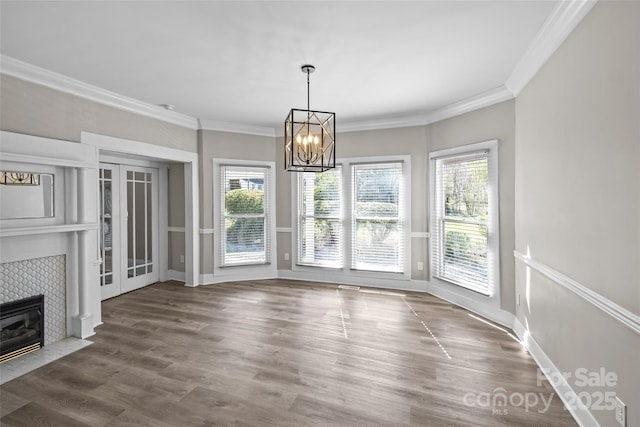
210	279
580	413
178	276
490	310
328	277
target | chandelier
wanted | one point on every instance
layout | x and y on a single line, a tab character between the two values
309	137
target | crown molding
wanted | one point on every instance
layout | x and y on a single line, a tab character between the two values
382	123
555	30
234	127
484	99
560	23
34	74
41	76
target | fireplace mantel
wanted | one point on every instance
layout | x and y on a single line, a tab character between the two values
47	229
72	231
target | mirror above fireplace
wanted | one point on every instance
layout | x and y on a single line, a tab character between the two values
25	194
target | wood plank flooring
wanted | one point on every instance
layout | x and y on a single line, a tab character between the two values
285	353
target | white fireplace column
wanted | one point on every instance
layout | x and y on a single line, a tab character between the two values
83	322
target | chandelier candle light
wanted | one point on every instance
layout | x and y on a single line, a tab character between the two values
309	137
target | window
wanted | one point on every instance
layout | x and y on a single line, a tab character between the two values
464	217
245	215
377	229
354	216
319	218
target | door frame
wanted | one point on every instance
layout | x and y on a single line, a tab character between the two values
110	147
115	287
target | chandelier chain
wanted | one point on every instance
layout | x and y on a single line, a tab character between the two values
308	94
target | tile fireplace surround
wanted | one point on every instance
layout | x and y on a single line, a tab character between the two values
47	276
55	256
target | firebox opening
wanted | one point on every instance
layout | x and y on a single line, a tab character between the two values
21	327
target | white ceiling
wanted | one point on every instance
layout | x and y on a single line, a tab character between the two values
239	62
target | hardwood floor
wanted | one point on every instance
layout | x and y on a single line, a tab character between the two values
285	353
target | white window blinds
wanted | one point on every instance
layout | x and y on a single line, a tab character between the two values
377	222
320	241
245	215
461	219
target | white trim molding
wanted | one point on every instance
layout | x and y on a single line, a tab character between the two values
206	231
420	235
234	127
481	100
469	300
348	223
191	187
41	76
494	285
229	273
560	23
619	313
48	229
336	276
284	230
381	123
556	378
237	276
178	276
23	148
53	80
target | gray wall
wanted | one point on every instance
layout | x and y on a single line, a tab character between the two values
223	145
401	141
176	216
38	110
387	142
495	122
569	183
578	198
283	207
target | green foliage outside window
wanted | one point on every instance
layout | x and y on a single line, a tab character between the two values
244	234
238	202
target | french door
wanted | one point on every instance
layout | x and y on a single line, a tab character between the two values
129	218
109	185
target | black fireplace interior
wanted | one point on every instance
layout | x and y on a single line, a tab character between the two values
22	326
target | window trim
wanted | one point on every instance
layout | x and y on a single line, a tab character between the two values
346	270
401	218
270	201
493	224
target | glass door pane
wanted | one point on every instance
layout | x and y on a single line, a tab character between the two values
109	190
141	228
106	219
